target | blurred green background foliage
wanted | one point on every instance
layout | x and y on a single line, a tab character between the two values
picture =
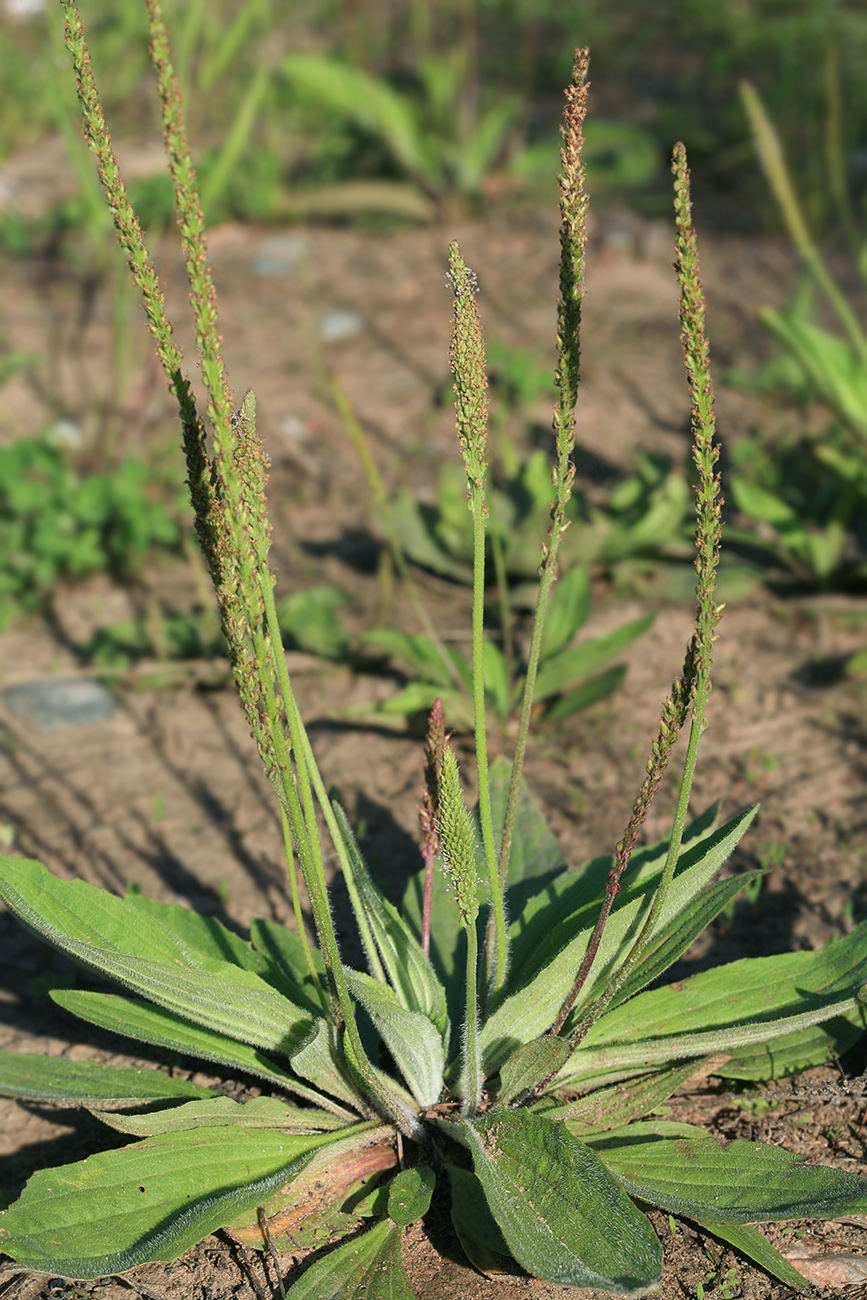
288	102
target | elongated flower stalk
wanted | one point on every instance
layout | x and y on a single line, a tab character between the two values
467	357
691	691
227	491
458	856
428	813
573	242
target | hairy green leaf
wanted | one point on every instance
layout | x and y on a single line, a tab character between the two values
478	1231
320	1063
343	1273
686	1171
161	1028
791	1053
530	1010
414	1042
220	1112
549	1194
410	1195
751	1001
149	1201
568	891
529	1064
85	1083
671	941
412	976
613	1107
106	933
750	1242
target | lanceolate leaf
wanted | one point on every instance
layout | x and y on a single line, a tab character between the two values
750	1001
793	1052
347	1272
672	941
609	1108
220	1112
107	934
414	1042
750	1242
530	1011
149	1201
85	1083
684	1170
411	973
529	1064
318	1062
550	1194
155	1025
569	891
285	950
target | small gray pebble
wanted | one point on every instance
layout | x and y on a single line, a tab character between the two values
59	702
342	323
280	255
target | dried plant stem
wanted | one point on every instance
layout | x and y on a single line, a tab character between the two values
573	241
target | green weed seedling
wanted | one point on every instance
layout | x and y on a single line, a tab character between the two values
808	494
59	522
503	1050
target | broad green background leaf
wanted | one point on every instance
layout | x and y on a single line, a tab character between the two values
421	656
410	1195
107	934
496	678
149	1201
222	1112
550	1195
563	671
750	1242
588	693
161	1028
86	1083
414	526
413	1040
568	608
686	1171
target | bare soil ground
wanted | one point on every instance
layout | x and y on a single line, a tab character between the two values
167	793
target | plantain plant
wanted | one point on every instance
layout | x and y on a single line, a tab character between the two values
504	1047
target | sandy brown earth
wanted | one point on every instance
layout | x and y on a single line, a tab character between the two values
167	793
